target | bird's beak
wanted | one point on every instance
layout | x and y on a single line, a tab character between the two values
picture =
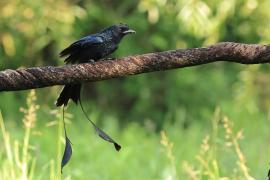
130	31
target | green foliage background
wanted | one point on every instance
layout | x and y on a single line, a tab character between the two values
181	101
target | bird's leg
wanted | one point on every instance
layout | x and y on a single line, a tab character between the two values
90	61
111	58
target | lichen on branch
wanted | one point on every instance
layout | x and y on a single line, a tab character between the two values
38	77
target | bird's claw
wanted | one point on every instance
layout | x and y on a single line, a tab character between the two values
90	61
111	58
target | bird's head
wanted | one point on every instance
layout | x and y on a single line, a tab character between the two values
120	30
124	29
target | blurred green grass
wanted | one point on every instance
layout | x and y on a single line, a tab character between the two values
143	156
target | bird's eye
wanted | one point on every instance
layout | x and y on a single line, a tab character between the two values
123	29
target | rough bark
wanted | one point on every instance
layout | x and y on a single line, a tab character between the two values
38	77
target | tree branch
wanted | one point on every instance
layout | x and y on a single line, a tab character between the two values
38	77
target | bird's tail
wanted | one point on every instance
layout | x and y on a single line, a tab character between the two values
69	92
101	133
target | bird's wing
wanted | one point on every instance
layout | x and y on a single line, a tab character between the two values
85	42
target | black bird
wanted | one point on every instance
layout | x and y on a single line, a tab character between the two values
88	49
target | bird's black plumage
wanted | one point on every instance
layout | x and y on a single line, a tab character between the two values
90	48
